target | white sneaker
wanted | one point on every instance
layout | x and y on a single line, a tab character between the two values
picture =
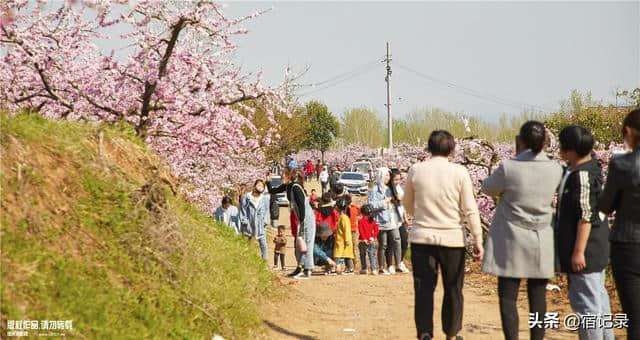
402	268
392	270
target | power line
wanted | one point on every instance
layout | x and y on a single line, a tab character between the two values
337	82
475	93
364	66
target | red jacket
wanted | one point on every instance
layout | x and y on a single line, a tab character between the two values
327	214
367	228
308	168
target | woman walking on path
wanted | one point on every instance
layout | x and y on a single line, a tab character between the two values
254	216
622	194
439	196
293	185
520	243
389	237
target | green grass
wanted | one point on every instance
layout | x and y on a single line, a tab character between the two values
78	245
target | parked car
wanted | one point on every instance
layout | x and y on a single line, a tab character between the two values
354	182
281	198
363	167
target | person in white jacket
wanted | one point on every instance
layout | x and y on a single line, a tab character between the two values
227	213
324	179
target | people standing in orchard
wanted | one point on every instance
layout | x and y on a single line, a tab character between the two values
309	169
324	179
293	185
274	209
398	219
582	233
353	211
389	237
254	216
621	194
367	234
318	170
227	213
439	196
520	243
343	247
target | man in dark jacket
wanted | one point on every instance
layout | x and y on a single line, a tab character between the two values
582	233
274	208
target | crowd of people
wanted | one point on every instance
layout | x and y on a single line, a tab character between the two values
548	219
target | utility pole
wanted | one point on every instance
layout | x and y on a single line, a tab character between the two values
388	80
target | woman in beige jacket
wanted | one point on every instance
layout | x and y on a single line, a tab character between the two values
439	196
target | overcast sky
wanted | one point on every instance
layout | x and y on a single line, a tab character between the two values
487	58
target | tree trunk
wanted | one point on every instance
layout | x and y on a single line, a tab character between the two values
322	155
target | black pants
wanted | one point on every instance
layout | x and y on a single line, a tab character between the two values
426	260
404	241
625	262
508	293
275	259
324	186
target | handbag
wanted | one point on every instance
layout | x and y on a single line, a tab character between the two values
301	245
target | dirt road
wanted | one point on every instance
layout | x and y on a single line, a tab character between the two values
381	307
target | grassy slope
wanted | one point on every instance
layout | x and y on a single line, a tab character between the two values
91	232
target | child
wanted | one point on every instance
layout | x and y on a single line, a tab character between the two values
343	247
313	196
281	242
326	214
368	229
353	211
582	233
227	213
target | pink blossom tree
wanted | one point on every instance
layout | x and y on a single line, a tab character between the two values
178	86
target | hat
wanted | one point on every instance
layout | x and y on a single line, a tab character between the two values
323	230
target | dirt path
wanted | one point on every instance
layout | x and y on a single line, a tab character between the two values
381	307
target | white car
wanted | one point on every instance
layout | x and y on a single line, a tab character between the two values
354	182
281	198
363	167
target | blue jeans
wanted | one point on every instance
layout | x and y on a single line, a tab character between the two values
369	250
262	242
589	297
309	236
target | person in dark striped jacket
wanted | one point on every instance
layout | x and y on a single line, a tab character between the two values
583	233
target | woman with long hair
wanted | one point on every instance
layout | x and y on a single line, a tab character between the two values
622	194
293	185
254	216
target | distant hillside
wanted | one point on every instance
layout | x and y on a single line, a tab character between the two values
93	231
